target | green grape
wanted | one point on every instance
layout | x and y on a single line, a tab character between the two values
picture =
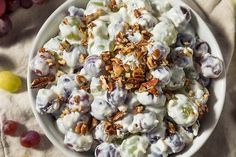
9	81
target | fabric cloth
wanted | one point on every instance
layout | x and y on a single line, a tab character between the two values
14	52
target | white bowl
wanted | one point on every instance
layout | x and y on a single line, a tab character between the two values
218	87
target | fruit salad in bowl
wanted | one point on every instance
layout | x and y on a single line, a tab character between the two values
125	78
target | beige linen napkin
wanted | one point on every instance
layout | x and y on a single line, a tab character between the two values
15	48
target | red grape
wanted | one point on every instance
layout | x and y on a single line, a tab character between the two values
38	1
26	4
2	7
30	139
5	25
9	127
12	5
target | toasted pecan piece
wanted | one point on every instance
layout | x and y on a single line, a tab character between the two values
89	18
137	13
42	82
119	115
170	128
138	109
81	80
65	45
109	127
118	69
151	83
81	128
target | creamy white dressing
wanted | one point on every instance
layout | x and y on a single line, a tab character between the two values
165	32
47	100
72	58
143	122
146	98
79	143
67	122
101	109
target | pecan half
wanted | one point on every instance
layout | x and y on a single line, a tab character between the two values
42	82
81	128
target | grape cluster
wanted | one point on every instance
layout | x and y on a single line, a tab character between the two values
9	6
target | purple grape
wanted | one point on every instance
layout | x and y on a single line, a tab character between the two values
204	81
2	7
185	40
106	150
26	4
94	66
186	12
162	49
38	1
201	48
175	142
117	96
12	5
5	25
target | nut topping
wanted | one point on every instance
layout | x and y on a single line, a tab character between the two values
42	82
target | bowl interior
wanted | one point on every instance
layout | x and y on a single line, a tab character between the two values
50	29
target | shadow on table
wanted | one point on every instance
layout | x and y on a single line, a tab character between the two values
26	23
6	63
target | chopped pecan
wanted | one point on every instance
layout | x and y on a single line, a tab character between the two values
105	56
112	5
82	58
61	62
108	67
129	86
153	91
65	21
42	50
109	127
77	99
135	80
110	86
42	82
156	54
170	128
138	109
65	45
187	52
89	18
138	73
86	88
137	13
151	63
151	83
81	80
81	128
50	62
103	82
119	115
118	69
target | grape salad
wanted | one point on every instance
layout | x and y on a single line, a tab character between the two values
129	78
